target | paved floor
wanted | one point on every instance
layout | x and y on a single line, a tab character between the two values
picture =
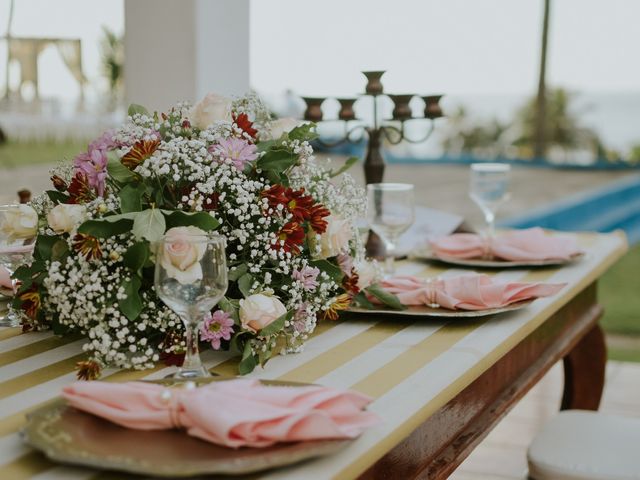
502	455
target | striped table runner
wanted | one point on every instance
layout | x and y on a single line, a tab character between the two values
410	366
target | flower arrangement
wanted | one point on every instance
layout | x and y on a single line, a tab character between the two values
294	256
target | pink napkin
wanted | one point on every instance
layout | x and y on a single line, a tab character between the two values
232	413
467	292
518	245
5	279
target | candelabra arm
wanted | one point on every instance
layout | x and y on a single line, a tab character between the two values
386	129
423	139
346	139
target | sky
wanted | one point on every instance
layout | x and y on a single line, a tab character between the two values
476	47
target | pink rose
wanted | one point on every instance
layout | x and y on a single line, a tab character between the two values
184	247
258	310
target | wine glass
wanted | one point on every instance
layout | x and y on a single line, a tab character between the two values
390	212
489	188
18	229
191	278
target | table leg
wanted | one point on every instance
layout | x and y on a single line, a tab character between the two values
584	371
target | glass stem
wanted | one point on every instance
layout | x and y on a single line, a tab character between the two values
390	257
192	355
491	225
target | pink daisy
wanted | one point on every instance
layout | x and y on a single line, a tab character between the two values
217	326
235	149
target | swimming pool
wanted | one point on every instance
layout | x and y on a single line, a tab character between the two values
615	206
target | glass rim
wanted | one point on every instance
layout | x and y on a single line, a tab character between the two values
391	186
491	167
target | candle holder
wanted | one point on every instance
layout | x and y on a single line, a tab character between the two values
392	129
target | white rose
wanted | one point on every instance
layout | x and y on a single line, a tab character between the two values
283	125
259	310
184	247
65	218
335	239
367	273
19	223
212	108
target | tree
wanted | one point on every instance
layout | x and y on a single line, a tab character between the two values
112	49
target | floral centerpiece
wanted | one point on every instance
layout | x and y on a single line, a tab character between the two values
293	254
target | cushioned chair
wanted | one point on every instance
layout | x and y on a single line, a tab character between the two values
584	445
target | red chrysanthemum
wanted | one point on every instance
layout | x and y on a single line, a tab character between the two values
292	234
350	282
87	245
246	125
299	204
317	215
30	302
79	189
275	194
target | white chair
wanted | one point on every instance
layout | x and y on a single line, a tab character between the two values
585	445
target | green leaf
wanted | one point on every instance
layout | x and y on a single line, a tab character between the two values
197	219
351	161
362	300
238	272
149	224
59	250
276	325
248	362
334	271
306	131
132	305
266	145
244	284
278	160
237	342
131	197
227	306
105	227
118	171
389	299
57	197
135	108
44	246
136	256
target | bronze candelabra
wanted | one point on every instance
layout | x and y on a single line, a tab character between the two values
379	129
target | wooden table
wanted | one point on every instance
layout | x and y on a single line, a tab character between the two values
439	386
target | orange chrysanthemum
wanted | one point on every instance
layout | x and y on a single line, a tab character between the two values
140	151
30	302
340	303
87	245
88	370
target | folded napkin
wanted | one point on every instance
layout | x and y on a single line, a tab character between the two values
517	245
5	279
233	413
467	292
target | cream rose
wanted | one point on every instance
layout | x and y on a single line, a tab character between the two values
367	273
336	237
184	247
212	108
259	310
283	125
19	223
65	218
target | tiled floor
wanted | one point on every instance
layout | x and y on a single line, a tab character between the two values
502	455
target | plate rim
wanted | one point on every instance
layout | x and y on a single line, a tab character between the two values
428	312
483	263
58	455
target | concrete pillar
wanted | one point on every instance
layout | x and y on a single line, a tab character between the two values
179	50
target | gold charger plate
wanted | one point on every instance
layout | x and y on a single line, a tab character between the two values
424	311
493	263
67	435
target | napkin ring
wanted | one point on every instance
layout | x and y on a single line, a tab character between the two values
432	293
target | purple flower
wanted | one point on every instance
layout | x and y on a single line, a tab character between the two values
307	276
300	318
94	165
217	326
235	149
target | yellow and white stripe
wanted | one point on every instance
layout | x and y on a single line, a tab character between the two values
410	366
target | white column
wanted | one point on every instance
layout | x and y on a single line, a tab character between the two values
181	49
